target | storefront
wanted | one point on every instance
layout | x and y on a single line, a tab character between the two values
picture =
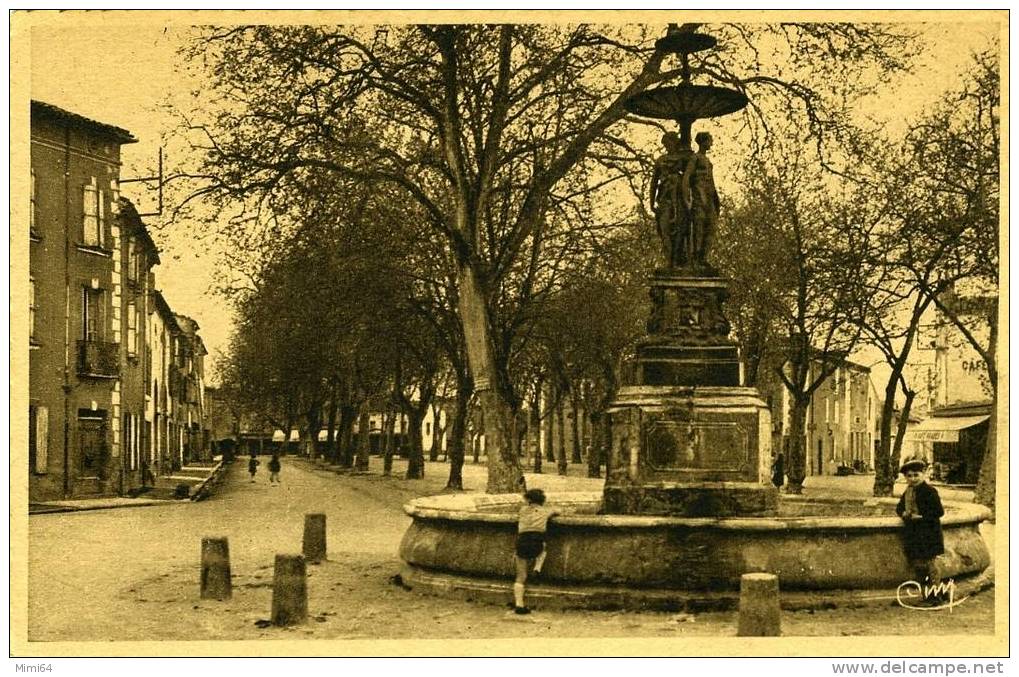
954	441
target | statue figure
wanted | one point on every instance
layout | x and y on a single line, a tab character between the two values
671	216
700	199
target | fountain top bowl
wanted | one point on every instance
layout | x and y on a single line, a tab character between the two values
683	42
687	101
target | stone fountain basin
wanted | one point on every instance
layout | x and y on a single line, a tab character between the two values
822	550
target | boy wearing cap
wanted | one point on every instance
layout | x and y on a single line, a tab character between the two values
921	511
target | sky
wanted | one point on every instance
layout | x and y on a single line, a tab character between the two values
120	70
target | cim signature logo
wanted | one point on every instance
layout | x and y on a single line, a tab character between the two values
913	595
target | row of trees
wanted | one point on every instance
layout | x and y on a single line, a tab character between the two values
416	209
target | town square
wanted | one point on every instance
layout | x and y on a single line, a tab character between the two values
377	329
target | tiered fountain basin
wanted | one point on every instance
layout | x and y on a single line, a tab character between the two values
826	552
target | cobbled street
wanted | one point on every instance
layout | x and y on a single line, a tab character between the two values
132	574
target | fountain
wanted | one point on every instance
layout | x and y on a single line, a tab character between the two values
687	506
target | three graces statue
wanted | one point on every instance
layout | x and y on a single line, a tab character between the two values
685	202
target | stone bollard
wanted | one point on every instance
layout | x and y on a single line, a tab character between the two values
759	610
314	538
216	569
289	591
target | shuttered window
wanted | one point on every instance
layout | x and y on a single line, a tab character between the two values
94	216
38	439
132	328
31	211
31	309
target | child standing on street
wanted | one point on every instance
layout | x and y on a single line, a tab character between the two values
274	469
921	511
253	467
530	548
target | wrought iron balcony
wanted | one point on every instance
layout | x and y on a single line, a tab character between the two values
98	359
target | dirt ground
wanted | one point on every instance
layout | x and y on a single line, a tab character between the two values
136	571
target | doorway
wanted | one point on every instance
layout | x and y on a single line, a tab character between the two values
92	452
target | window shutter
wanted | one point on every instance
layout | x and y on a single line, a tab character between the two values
132	328
31	213
41	439
101	221
90	219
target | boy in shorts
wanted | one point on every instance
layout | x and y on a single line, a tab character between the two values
530	548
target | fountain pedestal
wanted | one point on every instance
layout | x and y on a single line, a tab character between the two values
687	439
689	452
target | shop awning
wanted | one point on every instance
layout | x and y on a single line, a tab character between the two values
942	429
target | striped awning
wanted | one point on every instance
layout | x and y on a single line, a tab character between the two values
942	429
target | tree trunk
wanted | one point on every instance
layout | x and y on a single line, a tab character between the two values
560	449
576	458
457	442
549	430
606	441
986	482
522	427
900	430
416	460
388	443
363	442
884	464
796	464
595	447
535	415
433	453
504	473
347	416
987	479
314	427
331	433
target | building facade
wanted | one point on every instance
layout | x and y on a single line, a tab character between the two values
92	348
842	420
953	434
188	377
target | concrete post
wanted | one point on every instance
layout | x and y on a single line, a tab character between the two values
314	537
216	569
289	591
759	611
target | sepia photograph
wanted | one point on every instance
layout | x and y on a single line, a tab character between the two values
510	333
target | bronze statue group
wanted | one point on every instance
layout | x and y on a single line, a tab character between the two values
685	201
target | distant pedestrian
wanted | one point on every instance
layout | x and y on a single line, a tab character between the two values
253	467
921	511
778	470
274	469
148	479
530	547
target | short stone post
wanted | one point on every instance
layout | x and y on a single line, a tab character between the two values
216	569
289	591
759	610
314	538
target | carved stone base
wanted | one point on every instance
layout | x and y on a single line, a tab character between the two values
693	452
688	310
688	335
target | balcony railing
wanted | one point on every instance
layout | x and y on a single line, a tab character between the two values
98	359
